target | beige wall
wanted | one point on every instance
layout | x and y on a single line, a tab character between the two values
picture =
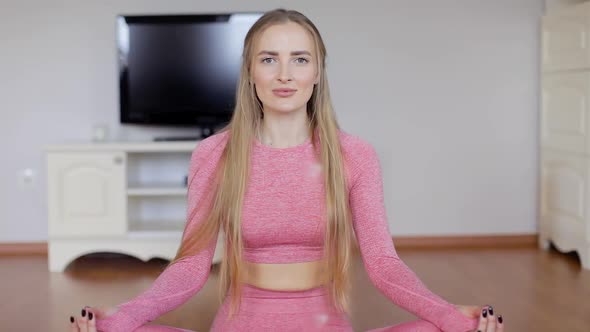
447	91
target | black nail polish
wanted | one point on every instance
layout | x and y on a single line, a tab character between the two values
90	315
485	313
500	319
83	312
491	310
71	319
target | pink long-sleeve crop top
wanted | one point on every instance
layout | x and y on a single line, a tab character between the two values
283	222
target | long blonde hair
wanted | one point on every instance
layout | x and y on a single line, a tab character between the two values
233	170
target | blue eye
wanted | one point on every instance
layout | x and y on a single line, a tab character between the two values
298	60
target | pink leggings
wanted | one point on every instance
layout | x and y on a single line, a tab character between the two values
271	310
307	310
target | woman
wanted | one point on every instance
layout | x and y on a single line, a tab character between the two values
292	193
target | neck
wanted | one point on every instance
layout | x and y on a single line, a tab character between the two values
285	130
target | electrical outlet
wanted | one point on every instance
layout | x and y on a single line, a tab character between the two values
26	177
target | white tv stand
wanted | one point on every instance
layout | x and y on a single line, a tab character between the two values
127	197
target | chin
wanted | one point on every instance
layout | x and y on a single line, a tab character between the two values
283	108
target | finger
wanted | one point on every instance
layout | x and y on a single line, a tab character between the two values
97	312
475	311
73	325
91	321
491	320
500	323
483	321
83	321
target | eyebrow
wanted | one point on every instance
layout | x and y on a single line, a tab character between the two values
277	53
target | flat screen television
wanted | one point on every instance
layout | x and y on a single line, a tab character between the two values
180	70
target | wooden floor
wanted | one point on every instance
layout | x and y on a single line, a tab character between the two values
534	290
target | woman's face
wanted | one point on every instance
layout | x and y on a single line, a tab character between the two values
284	68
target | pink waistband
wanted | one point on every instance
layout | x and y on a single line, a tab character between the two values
255	299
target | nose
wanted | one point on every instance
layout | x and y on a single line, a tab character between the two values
285	73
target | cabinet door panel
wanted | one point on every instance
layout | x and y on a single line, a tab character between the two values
565	43
564	198
87	194
564	111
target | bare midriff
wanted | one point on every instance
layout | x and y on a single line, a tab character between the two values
289	276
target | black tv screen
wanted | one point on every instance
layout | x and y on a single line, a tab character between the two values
180	70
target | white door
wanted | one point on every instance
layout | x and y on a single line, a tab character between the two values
565	43
86	194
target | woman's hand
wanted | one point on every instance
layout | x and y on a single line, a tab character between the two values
487	318
87	320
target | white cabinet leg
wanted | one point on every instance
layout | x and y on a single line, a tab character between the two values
543	242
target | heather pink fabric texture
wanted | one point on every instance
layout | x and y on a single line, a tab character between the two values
283	221
294	311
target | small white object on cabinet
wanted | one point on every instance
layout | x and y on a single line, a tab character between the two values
565	137
127	198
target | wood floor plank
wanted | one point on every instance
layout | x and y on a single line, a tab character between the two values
534	290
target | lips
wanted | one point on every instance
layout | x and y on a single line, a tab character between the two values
284	92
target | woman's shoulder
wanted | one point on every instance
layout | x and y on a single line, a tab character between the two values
353	146
209	149
357	152
213	141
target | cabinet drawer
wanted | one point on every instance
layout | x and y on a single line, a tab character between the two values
565	111
565	43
